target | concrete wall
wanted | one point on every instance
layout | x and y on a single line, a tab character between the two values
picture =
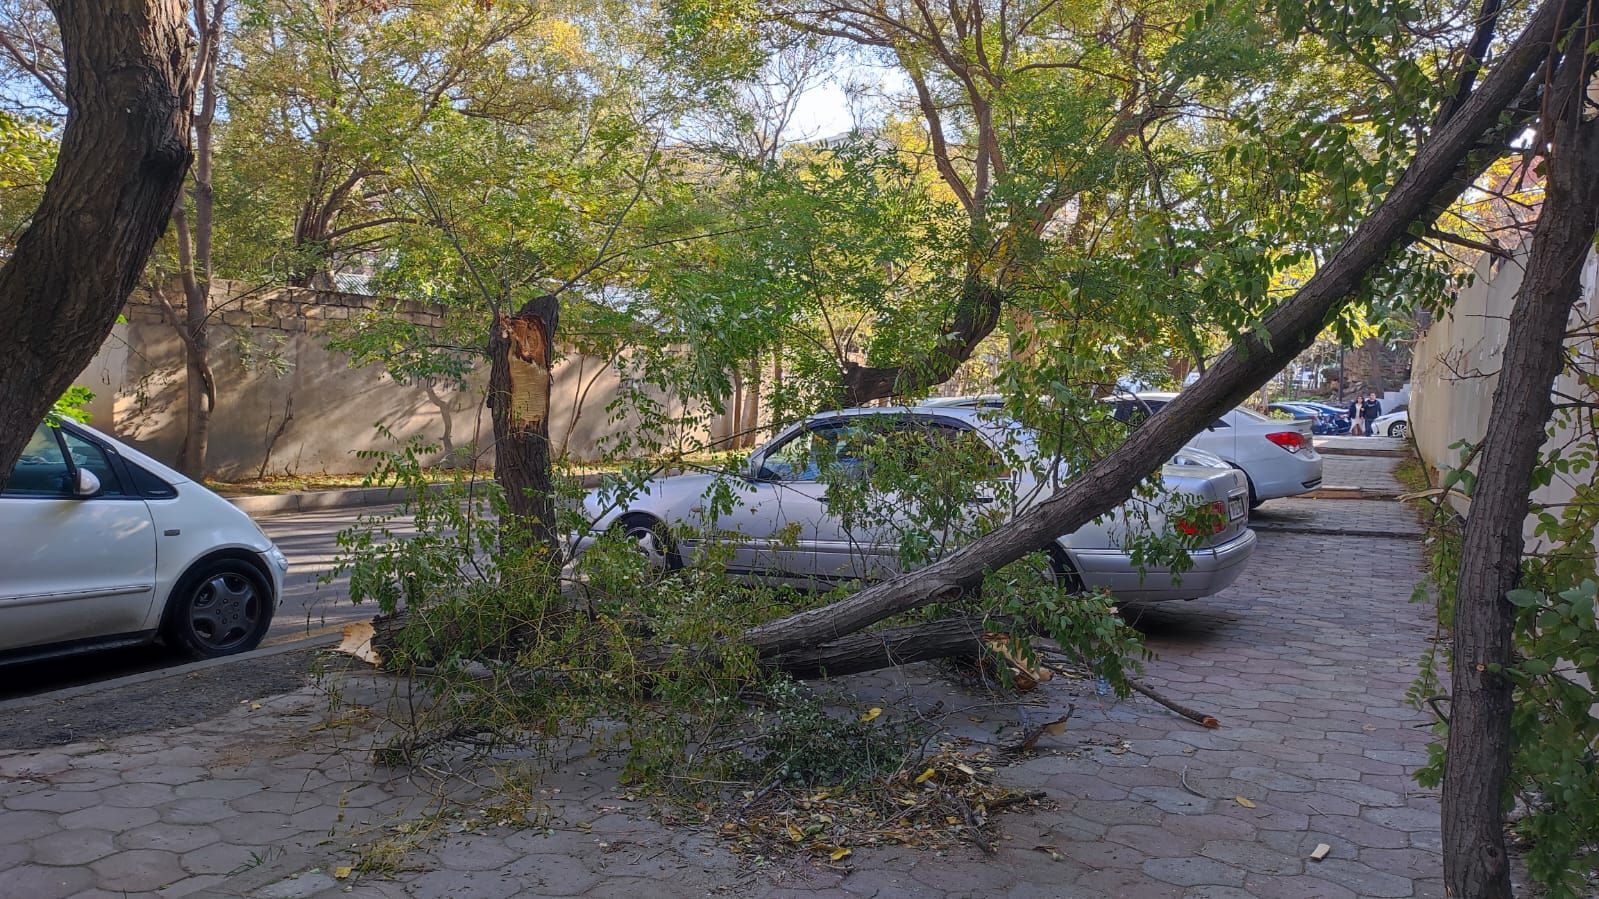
1457	366
138	381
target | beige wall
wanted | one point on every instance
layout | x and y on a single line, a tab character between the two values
138	381
1457	365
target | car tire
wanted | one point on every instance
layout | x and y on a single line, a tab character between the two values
218	609
652	539
1254	501
1064	572
1400	429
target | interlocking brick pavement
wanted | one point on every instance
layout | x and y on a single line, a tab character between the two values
1305	661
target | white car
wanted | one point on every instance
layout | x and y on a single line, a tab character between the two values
1394	424
780	527
1277	456
102	546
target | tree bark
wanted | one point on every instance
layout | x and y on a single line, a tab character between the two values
124	152
1478	767
522	440
882	649
976	314
1451	159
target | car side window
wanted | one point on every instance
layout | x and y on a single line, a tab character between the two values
800	457
90	457
42	470
834	448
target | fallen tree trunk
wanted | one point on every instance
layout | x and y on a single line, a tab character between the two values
1444	167
1476	863
869	651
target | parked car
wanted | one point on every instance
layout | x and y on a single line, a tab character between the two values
102	546
1320	421
1278	457
783	493
1337	416
1394	424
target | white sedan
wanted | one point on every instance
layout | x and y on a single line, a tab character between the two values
1394	424
102	546
1277	456
782	528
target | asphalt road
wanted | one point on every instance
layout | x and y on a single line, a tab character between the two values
309	606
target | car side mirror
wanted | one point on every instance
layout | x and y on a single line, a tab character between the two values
87	484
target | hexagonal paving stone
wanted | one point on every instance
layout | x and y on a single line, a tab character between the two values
73	847
137	869
221	858
50	799
171	837
41	882
1190	872
21	826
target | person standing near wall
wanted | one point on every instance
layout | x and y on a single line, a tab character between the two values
1355	429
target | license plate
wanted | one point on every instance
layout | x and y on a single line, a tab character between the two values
1235	508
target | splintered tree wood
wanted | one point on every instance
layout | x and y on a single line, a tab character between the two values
520	349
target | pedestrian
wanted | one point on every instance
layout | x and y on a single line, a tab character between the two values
1369	410
1354	417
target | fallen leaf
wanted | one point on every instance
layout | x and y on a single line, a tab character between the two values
343	871
924	776
1055	728
255	706
1243	802
871	715
795	834
966	769
1320	852
838	853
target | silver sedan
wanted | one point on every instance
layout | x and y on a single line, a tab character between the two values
775	523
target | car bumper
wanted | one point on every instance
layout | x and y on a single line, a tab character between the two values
1214	570
277	565
1297	474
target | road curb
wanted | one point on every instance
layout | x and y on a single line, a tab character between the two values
315	641
314	500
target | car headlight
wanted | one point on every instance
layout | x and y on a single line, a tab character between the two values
278	559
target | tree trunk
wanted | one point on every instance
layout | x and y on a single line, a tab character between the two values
1478	769
1445	166
752	407
520	348
194	248
976	314
124	151
882	649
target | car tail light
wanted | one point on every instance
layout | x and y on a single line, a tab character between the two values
1216	519
1292	441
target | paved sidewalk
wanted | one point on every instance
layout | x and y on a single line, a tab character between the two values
1305	661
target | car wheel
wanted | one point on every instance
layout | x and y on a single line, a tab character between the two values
1400	429
649	536
223	607
1063	573
1254	501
